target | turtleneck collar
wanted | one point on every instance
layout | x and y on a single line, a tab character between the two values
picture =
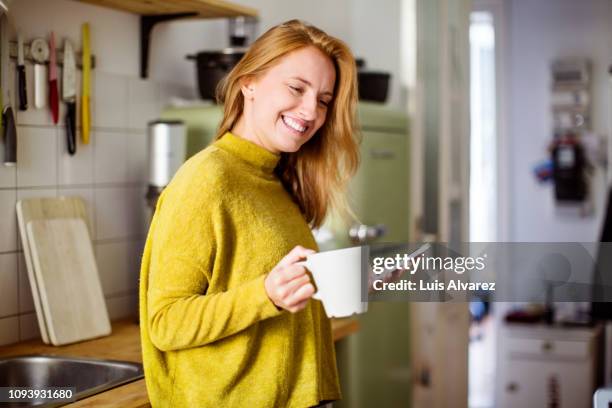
249	152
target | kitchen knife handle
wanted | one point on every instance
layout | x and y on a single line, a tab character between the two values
54	100
10	137
85	119
71	127
23	96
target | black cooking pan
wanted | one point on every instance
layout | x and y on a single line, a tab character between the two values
373	86
212	66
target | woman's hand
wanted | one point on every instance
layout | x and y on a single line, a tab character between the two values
288	285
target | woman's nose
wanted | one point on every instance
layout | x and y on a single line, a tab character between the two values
308	107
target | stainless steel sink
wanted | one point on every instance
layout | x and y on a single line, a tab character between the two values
88	376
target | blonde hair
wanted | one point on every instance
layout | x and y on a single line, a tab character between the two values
318	173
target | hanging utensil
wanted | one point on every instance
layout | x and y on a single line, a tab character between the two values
10	137
21	75
86	64
39	49
8	121
69	95
53	92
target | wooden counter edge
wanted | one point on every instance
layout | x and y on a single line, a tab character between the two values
134	394
344	327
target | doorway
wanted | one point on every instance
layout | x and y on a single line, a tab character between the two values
485	190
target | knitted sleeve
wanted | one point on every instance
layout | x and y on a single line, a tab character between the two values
180	312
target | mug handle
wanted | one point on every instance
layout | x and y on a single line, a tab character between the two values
305	265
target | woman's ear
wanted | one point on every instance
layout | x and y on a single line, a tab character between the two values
247	87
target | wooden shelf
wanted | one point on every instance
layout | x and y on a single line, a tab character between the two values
156	11
202	8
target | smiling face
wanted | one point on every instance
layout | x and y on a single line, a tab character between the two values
286	105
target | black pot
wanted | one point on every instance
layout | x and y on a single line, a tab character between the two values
373	86
212	66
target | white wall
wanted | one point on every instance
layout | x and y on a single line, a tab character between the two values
173	40
539	31
372	30
375	37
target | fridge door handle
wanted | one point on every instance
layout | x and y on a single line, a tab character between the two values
362	233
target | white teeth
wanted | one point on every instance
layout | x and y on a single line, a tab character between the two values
293	124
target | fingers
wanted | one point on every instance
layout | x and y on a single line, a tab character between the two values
296	291
295	255
299	306
288	285
301	294
296	283
290	273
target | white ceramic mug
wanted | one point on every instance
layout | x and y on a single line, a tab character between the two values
338	277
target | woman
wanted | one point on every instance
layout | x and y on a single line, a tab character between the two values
225	310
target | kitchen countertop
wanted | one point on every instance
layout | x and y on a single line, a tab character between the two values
124	344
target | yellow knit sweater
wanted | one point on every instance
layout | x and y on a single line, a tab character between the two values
210	335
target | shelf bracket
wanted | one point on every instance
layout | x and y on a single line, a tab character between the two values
147	22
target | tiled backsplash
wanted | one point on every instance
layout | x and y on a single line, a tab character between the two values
109	174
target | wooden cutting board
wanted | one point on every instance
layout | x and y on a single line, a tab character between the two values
69	285
45	208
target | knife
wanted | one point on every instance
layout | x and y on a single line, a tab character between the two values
9	132
86	64
21	77
53	92
69	95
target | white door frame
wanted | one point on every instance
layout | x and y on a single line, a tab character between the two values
497	8
440	336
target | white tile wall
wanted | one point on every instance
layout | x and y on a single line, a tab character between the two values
112	212
143	103
8	220
9	301
77	168
110	107
134	253
8	174
137	211
110	161
112	260
137	157
36	156
109	174
28	326
120	307
9	330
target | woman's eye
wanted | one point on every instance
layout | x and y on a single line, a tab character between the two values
295	89
324	103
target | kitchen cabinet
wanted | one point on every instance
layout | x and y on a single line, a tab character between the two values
545	366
